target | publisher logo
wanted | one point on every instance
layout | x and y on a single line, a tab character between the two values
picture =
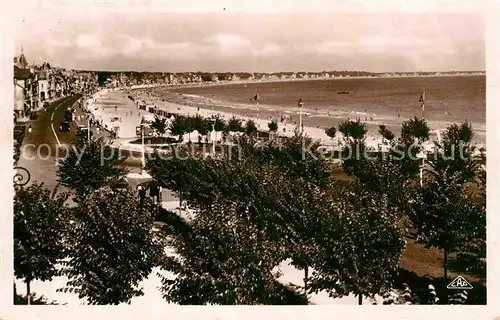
459	283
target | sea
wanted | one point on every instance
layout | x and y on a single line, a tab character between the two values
375	101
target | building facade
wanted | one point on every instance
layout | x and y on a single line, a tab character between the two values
22	88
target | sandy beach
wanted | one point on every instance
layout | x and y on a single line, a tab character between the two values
102	106
115	109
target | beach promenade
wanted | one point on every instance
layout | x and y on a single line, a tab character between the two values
115	110
104	103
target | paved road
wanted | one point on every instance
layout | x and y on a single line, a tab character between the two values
46	143
41	146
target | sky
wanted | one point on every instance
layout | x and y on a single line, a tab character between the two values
99	37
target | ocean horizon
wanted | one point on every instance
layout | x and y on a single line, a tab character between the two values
389	101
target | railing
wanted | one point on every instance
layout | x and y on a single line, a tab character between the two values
21	177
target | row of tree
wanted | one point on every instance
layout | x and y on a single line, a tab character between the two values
187	124
351	235
264	205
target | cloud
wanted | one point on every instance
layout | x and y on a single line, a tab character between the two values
228	44
331	47
91	46
268	50
148	48
261	42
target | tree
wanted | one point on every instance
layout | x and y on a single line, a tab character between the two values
353	228
260	189
89	166
235	125
226	258
40	218
220	124
385	133
32	299
446	218
382	188
250	127
353	152
331	132
269	204
415	128
178	126
220	262
160	125
113	246
455	154
444	211
353	129
273	126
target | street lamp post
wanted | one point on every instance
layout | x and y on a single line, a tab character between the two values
301	104
143	160
213	136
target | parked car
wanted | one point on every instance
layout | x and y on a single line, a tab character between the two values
68	115
65	126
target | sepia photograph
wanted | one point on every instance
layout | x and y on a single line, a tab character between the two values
259	157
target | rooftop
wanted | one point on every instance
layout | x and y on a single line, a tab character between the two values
21	74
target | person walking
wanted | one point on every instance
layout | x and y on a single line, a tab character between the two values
154	192
142	195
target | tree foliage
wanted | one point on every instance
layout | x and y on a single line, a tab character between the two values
222	263
40	218
273	126
89	166
353	129
34	300
331	132
263	203
274	202
444	210
354	232
250	127
455	153
160	125
235	125
220	124
415	128
178	126
385	133
113	246
18	141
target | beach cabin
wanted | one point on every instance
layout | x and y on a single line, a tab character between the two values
141	105
147	119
